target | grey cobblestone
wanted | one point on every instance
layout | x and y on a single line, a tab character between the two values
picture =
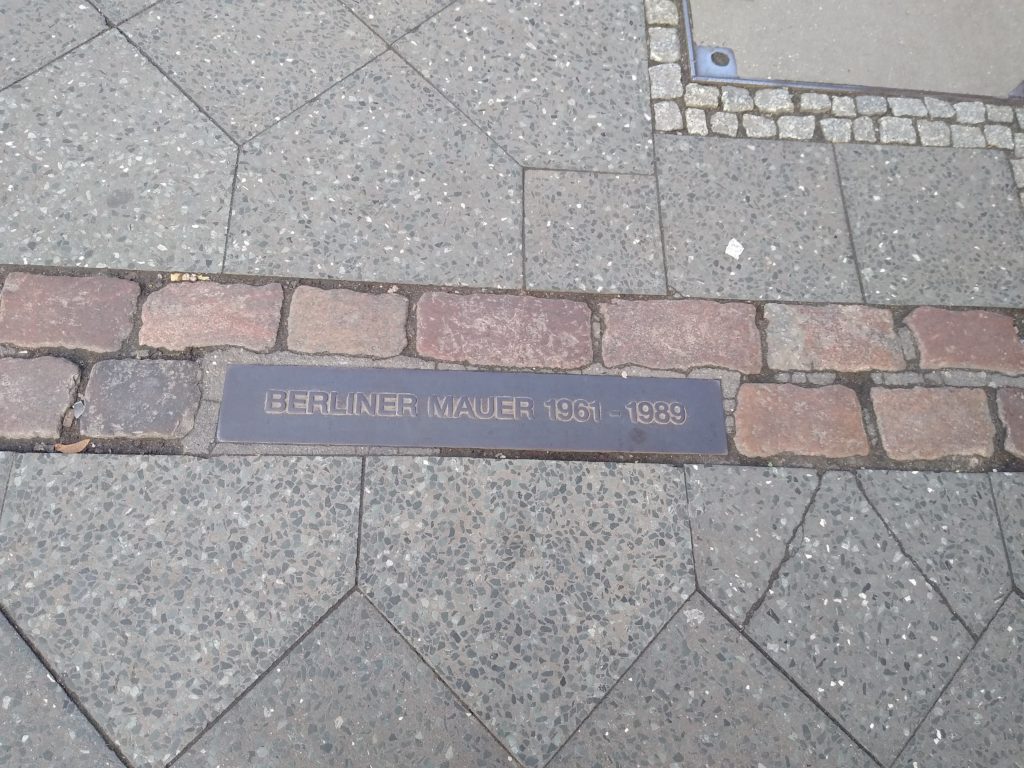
1020	116
844	106
774	101
967	136
970	112
736	99
667	116
998	113
872	105
758	127
791	127
939	108
661	12
815	103
898	378
664	44
837	129
1018	145
999	136
897	130
864	129
725	123
902	107
696	122
933	133
964	378
666	81
703	96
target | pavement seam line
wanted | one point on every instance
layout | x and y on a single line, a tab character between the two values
849	225
59	680
260	677
787	555
899	543
15	459
231	210
54	60
1002	533
359	516
439	678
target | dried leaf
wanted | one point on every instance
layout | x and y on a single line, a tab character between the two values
77	447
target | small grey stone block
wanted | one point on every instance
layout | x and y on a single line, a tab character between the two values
998	113
938	107
1018	172
1018	145
872	105
815	103
791	127
703	96
725	123
999	136
696	122
970	112
662	12
774	101
667	116
844	106
736	99
933	133
666	81
141	398
837	130
897	130
758	127
902	107
864	129
664	44
967	136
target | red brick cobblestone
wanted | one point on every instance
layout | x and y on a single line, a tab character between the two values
504	330
925	423
832	338
34	394
347	322
681	334
1011	413
970	339
778	419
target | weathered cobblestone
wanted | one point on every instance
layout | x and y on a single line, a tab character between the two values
667	116
141	399
927	423
933	133
1011	413
969	339
998	113
666	81
792	127
872	105
347	322
815	103
938	108
844	106
703	96
736	99
680	335
999	136
661	12
91	313
970	112
725	124
696	122
837	130
904	107
758	127
774	101
34	394
832	338
781	419
967	136
664	44
864	129
897	130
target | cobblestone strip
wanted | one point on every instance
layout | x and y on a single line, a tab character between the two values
120	359
766	112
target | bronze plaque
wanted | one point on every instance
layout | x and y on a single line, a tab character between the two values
397	408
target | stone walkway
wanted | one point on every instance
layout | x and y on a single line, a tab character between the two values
499	185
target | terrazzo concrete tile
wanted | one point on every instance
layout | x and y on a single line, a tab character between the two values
593	232
40	727
119	10
560	84
979	721
352	694
251	62
107	164
754	220
701	694
380	179
855	623
529	586
934	226
947	523
160	587
34	34
741	519
393	18
1009	493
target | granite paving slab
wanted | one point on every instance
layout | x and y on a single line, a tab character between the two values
352	694
379	179
741	519
750	219
701	694
529	586
40	727
1009	493
393	18
856	624
560	84
118	171
934	226
161	587
593	232
947	523
978	722
34	34
250	63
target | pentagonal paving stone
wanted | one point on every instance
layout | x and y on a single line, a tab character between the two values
353	693
529	586
34	34
701	694
160	587
741	519
979	720
934	226
596	232
379	179
252	62
1009	493
779	201
117	170
393	18
947	523
560	84
856	624
39	726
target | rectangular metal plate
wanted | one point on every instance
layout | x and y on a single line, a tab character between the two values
379	407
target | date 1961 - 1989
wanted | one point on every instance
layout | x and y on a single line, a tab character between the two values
647	412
